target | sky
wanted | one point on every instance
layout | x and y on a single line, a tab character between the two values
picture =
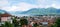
24	5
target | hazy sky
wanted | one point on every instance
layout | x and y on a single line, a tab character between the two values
23	5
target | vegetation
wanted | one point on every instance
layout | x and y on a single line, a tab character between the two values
7	24
23	22
57	23
15	23
35	25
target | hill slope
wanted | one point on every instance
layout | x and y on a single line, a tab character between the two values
42	11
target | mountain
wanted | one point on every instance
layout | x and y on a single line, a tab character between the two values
35	11
14	12
42	11
3	12
58	10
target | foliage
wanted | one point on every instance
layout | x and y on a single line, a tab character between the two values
54	25
23	21
57	23
7	24
35	25
15	23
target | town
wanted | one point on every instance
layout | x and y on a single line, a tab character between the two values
7	20
29	13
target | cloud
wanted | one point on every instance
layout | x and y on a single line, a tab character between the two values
3	3
24	5
48	3
12	8
20	7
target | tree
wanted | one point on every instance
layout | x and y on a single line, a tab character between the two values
23	22
7	24
54	25
35	25
15	22
57	23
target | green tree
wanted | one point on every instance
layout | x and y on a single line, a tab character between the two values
7	24
35	25
15	22
57	23
23	22
54	25
3	25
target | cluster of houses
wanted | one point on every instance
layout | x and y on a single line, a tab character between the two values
45	20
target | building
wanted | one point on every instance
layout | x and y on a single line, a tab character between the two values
4	16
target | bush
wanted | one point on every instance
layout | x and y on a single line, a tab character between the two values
23	22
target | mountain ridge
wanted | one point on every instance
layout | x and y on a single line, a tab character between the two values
37	11
42	11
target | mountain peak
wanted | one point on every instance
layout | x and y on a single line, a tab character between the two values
42	11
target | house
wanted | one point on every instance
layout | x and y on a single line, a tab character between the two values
4	16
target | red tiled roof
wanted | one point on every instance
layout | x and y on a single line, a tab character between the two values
5	15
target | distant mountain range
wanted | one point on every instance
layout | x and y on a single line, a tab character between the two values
42	11
3	12
38	11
